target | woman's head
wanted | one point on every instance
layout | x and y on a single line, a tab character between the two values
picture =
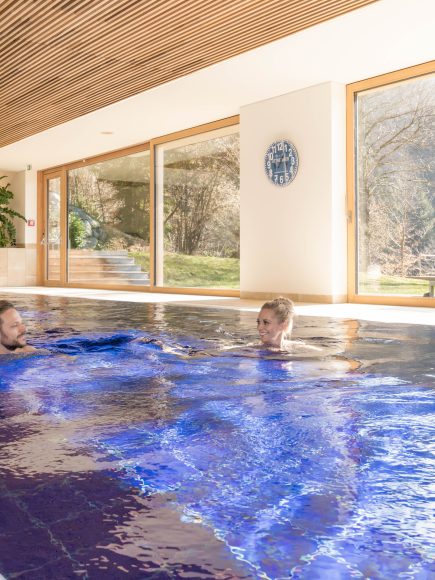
275	321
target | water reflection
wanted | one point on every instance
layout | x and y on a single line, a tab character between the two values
121	456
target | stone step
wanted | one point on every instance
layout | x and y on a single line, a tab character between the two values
90	271
108	274
96	260
98	253
74	267
103	266
119	281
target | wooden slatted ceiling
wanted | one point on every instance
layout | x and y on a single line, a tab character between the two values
60	59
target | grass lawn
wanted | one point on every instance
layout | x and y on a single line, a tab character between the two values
211	272
195	271
393	285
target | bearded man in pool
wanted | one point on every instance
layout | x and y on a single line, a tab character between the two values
12	331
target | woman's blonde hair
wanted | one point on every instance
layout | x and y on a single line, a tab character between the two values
283	308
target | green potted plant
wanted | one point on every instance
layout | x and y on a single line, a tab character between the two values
7	228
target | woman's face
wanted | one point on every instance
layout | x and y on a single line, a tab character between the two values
270	329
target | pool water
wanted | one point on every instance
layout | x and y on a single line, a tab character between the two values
187	455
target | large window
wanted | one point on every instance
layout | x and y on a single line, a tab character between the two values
197	218
161	215
109	222
394	179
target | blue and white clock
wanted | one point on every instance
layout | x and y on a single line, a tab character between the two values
281	162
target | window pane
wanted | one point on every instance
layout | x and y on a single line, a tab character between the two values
395	188
108	222
198	221
53	229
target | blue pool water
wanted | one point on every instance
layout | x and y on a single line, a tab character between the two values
203	459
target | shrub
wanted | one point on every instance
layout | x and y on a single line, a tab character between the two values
77	232
7	228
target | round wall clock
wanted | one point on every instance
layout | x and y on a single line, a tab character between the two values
281	162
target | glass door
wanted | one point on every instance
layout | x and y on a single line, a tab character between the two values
392	188
198	211
54	263
108	215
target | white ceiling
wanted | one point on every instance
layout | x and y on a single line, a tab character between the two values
382	37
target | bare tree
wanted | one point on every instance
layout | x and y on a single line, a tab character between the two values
115	193
402	227
201	190
396	175
94	196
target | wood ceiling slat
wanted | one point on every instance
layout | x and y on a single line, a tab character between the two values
47	28
66	63
88	99
10	10
173	62
89	24
90	46
171	58
34	61
99	38
240	29
24	18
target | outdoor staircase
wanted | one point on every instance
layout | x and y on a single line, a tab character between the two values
102	267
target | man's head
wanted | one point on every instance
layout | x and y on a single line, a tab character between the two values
12	329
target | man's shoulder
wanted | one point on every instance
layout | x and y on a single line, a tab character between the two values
27	348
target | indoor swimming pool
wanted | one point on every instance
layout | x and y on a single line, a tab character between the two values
151	441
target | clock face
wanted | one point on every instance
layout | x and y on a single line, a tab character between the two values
281	162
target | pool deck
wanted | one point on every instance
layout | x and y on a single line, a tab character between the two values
380	313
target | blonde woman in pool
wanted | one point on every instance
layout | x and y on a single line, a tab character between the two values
275	324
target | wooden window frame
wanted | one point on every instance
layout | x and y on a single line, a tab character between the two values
42	236
149	145
351	93
202	129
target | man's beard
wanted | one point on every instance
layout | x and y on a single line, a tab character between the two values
12	347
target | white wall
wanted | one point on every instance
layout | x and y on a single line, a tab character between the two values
293	239
30	178
18	265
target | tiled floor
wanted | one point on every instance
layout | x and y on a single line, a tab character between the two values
402	314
